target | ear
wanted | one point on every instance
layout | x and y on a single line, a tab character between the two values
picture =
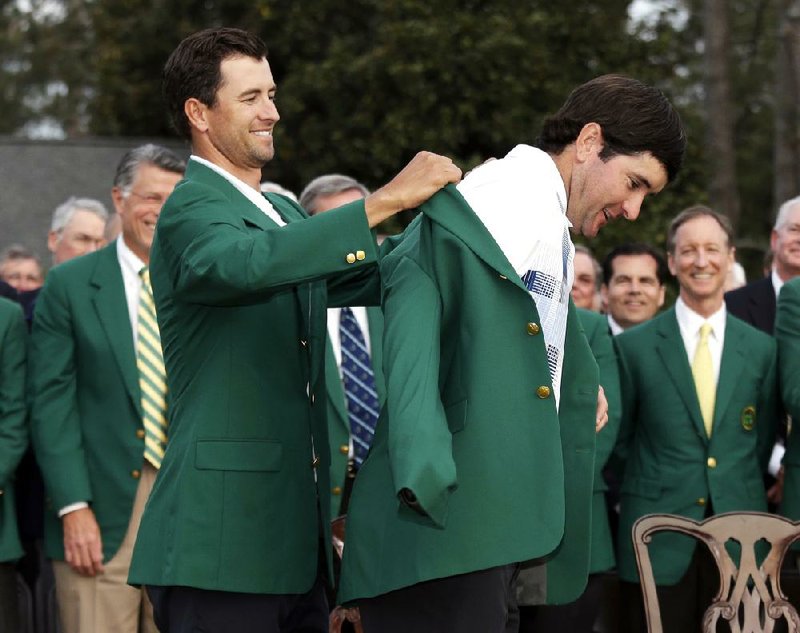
195	111
117	197
661	295
52	241
589	141
671	264
773	238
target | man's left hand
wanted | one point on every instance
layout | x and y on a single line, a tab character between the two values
602	409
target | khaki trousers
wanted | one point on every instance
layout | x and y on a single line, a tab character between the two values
106	603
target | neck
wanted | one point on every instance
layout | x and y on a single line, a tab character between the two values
705	307
251	176
564	162
786	273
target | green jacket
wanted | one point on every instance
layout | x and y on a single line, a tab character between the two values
338	422
13	427
787	333
242	491
671	464
597	333
86	421
470	425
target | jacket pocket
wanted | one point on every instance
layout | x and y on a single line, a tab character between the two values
241	455
642	487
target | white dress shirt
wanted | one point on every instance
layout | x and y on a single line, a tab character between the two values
256	197
689	323
777	282
522	201
360	313
615	327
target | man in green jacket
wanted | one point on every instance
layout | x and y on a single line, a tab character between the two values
483	457
88	425
238	522
13	441
698	420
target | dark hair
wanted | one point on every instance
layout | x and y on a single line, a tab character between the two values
635	248
193	68
634	117
691	213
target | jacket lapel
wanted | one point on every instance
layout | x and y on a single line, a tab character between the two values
733	359
375	318
672	352
449	209
333	382
111	307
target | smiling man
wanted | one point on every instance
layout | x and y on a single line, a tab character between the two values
91	432
634	275
483	457
237	529
698	417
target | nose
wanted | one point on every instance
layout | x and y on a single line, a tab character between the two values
270	111
701	258
632	207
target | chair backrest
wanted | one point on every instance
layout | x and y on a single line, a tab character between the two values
750	596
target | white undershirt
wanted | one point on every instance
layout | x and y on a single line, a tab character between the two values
689	323
256	197
360	313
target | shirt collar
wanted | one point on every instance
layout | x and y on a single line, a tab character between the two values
256	197
777	282
127	258
690	321
615	327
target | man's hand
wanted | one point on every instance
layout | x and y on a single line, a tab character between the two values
83	547
775	492
602	409
418	181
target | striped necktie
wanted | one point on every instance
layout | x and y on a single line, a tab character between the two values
152	376
703	374
359	385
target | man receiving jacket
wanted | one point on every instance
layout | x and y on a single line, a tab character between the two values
483	458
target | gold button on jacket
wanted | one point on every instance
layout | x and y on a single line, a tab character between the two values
350	258
533	328
136	474
543	391
712	463
140	433
336	490
361	256
344	449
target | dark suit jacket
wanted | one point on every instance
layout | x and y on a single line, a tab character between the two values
754	304
243	488
86	420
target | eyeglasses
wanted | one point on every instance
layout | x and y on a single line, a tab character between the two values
150	199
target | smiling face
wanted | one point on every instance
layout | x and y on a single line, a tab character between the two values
235	132
633	293
603	189
700	260
140	206
785	243
583	286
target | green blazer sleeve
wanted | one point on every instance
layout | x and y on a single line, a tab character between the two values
13	431
55	419
420	441
241	257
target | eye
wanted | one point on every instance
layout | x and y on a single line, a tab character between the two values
633	184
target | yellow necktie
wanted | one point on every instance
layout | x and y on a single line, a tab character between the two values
703	372
152	376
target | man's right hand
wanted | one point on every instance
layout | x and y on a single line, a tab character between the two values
83	546
418	181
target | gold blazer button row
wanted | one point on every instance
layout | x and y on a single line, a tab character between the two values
361	256
533	329
350	258
711	462
344	449
543	391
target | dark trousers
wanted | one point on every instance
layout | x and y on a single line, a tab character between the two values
190	610
682	605
9	605
576	617
477	602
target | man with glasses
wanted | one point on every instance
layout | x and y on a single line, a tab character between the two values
97	404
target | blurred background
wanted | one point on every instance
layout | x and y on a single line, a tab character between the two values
365	84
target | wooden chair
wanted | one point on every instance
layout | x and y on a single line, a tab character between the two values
340	615
750	596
